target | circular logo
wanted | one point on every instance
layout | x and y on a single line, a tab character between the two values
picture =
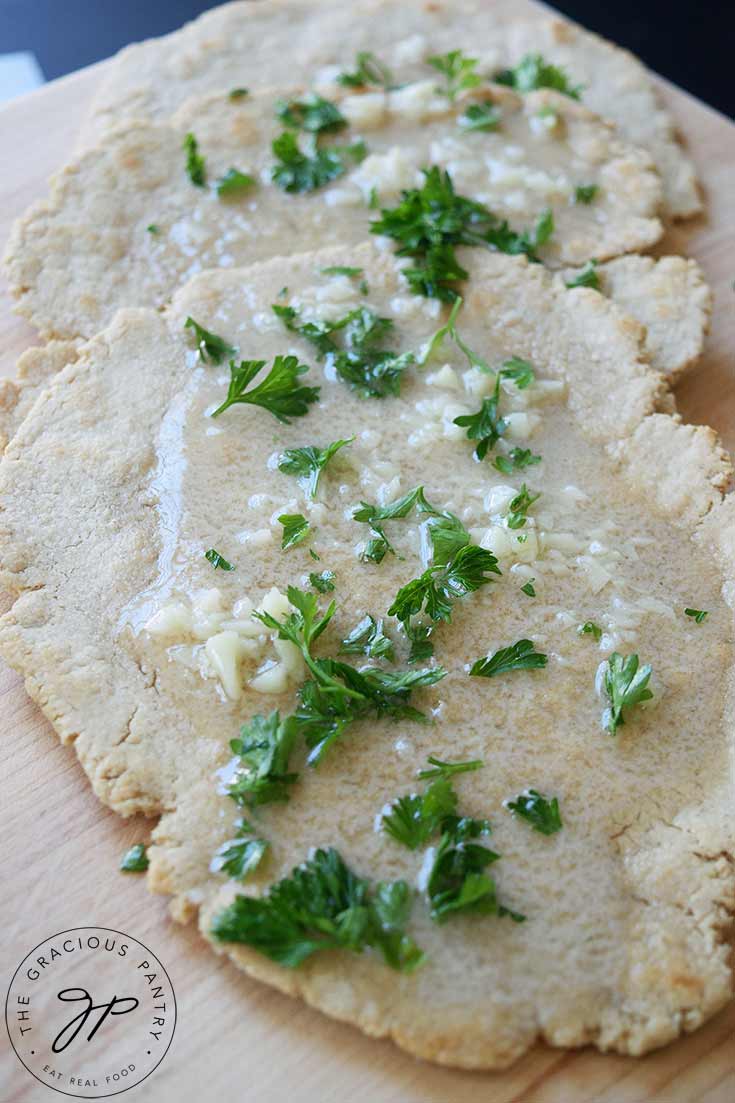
90	1012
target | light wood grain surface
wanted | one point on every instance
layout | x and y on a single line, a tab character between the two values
60	847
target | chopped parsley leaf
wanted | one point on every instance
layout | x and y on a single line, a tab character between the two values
238	93
485	426
586	277
240	856
372	371
626	685
341	270
414	818
368	70
368	638
516	460
585	193
212	349
435	591
519	507
323	905
519	656
375	516
313	114
542	814
456	880
295	529
534	72
323	583
696	614
299	172
589	628
480	116
153	229
234	182
261	775
218	561
135	860
528	588
308	463
458	72
430	221
448	769
278	391
195	164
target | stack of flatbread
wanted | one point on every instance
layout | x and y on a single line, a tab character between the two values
158	523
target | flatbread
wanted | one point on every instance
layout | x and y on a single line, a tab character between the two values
669	297
629	906
88	250
34	369
259	44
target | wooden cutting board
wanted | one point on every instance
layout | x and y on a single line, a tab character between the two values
61	847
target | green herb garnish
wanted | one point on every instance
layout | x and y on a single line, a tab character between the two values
313	114
295	529
324	582
218	561
195	164
589	628
308	463
299	172
534	72
448	769
696	614
368	638
542	814
341	270
153	229
516	460
368	70
626	686
261	775
234	183
435	591
430	221
457	882
586	277
279	391
519	656
241	855
519	507
480	116
375	516
238	93
372	371
458	72
212	349
135	860
323	905
585	193
528	588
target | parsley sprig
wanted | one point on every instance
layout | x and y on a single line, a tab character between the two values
586	277
542	814
375	516
323	905
371	370
195	164
297	171
368	70
368	638
218	561
295	529
458	72
533	71
278	391
430	221
435	591
234	183
135	860
307	464
480	116
626	685
519	656
261	774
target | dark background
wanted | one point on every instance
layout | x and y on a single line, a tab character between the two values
693	44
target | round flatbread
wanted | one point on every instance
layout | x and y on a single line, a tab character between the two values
282	41
126	226
120	479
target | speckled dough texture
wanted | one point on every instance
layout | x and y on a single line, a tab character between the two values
87	250
115	484
262	42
